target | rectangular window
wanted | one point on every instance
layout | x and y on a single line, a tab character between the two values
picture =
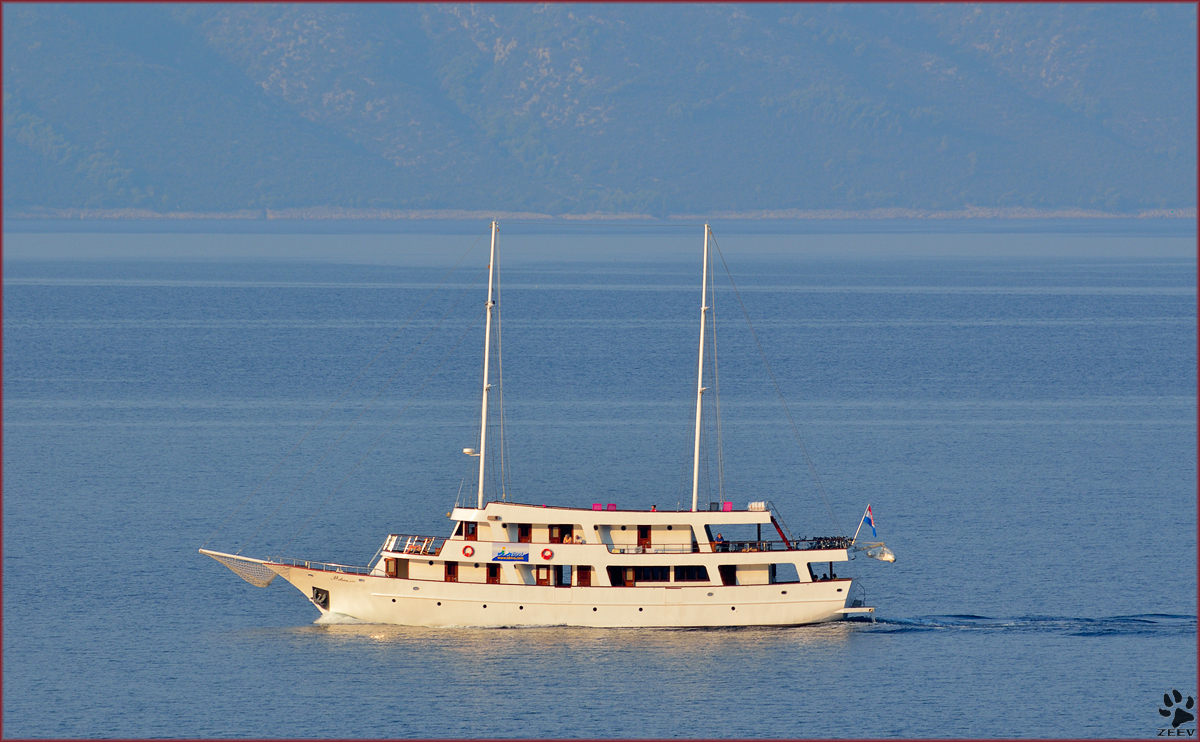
584	578
451	571
524	533
728	574
562	575
617	575
471	531
652	574
784	573
543	575
389	567
691	573
493	574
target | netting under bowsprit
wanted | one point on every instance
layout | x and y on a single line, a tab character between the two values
254	571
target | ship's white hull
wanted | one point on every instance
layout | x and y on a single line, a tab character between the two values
388	600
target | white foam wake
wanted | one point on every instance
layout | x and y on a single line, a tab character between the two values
338	618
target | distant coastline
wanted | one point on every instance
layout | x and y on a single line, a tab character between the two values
352	214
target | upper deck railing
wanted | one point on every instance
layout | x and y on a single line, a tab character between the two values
420	545
322	566
432	546
660	549
803	544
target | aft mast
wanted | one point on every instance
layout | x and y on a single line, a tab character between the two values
700	373
487	348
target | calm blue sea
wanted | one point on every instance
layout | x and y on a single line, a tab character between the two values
1024	427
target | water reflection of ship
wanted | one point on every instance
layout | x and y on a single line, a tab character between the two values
512	564
665	644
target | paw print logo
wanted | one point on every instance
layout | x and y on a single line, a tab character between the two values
1181	716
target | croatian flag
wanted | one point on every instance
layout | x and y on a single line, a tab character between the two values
869	519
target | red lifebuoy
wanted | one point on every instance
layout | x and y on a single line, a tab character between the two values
468	550
547	554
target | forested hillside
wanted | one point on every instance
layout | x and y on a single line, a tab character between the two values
561	109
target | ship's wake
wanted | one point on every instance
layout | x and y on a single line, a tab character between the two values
1151	624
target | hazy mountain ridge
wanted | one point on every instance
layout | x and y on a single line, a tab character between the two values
604	108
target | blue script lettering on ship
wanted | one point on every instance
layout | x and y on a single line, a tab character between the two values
511	556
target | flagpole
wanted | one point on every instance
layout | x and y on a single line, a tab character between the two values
860	522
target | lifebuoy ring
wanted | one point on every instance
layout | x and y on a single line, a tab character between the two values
468	550
547	554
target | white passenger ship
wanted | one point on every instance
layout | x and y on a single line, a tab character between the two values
510	564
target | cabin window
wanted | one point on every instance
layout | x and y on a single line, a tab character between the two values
652	574
644	537
820	573
784	573
562	575
561	534
621	576
691	573
458	529
524	533
471	531
389	567
451	571
493	577
728	574
542	574
583	576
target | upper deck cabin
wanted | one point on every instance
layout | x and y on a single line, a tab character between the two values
513	543
665	530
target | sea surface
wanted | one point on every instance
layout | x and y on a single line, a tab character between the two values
1021	419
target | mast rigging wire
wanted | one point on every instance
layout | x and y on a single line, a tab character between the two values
363	411
716	381
346	391
504	463
383	434
795	430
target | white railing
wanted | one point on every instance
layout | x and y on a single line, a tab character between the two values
731	547
421	545
323	566
660	549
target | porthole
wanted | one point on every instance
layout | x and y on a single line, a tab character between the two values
670	528
639	610
839	589
416	588
476	566
622	528
439	602
710	595
520	608
733	607
485	606
783	592
593	609
594	528
393	600
430	562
